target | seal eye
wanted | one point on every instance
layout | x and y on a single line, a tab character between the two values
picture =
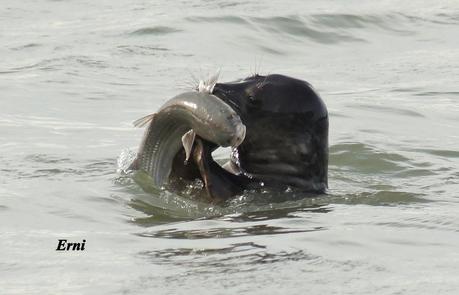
253	101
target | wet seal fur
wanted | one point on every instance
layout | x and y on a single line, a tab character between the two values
285	144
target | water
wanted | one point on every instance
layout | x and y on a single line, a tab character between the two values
75	74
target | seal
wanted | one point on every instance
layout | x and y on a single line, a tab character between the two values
286	141
277	126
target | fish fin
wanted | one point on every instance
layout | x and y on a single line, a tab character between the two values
207	86
188	141
232	167
143	121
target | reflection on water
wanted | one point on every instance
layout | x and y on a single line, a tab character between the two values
219	233
234	258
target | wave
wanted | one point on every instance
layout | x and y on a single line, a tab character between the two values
328	28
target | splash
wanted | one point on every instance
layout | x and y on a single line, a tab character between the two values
125	160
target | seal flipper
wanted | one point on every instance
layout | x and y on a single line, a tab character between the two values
220	184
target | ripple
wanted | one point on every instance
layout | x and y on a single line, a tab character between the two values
26	46
171	253
441	153
41	65
321	28
157	30
381	198
405	89
88	61
390	110
388	22
104	167
157	214
142	49
435	223
439	19
48	159
288	212
71	214
437	93
56	168
295	26
270	50
415	173
225	232
234	258
232	19
365	159
338	115
54	64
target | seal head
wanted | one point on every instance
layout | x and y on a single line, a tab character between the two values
286	140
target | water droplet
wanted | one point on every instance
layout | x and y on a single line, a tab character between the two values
125	160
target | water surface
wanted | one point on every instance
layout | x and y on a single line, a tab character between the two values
75	74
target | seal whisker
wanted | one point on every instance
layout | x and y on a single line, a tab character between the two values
194	81
189	84
257	67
